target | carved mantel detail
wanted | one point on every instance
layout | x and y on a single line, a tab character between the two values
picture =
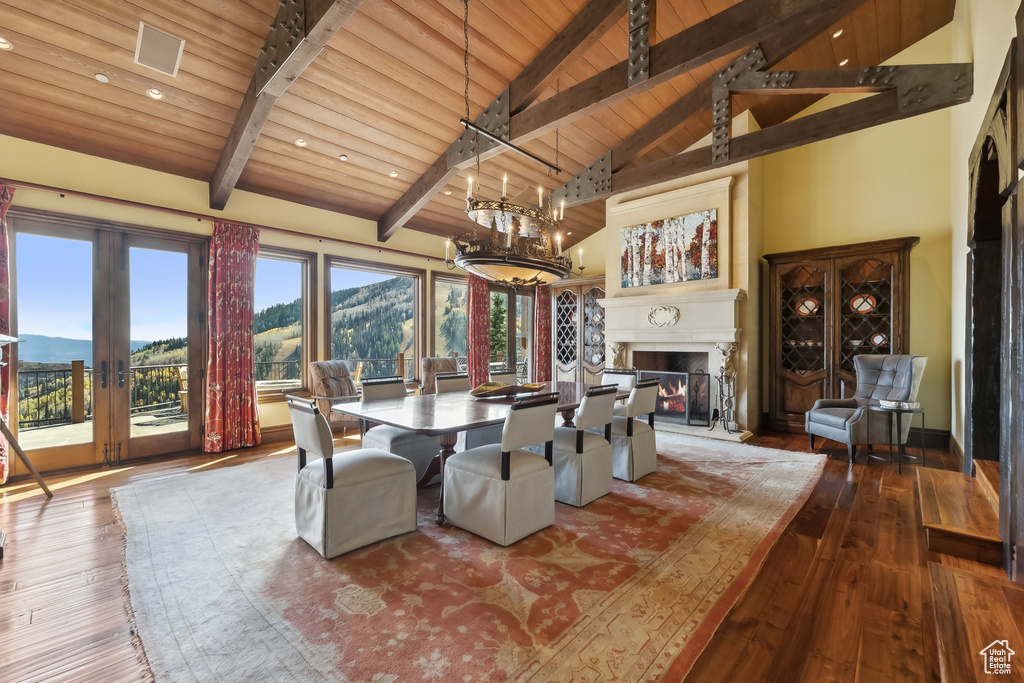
663	316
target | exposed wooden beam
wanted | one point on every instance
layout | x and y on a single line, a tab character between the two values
734	28
581	32
891	105
775	48
585	29
300	31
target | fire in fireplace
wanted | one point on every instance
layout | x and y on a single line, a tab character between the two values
683	397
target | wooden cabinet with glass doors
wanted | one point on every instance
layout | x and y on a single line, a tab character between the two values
578	330
826	306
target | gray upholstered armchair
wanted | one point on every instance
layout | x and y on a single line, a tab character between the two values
894	378
431	366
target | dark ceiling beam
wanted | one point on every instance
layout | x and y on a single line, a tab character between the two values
775	48
732	29
582	31
300	31
939	90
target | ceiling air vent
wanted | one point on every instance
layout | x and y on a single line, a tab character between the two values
158	49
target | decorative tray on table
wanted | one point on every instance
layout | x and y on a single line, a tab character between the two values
500	389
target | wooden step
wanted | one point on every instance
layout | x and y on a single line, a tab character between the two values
957	516
972	612
987	474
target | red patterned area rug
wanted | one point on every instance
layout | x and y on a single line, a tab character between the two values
624	589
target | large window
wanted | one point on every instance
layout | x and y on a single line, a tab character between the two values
451	323
373	318
280	321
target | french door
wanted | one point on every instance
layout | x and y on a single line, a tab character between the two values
111	330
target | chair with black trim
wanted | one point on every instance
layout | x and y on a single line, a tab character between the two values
349	500
477	436
420	449
582	457
634	450
502	491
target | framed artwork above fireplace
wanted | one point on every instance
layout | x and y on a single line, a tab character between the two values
678	249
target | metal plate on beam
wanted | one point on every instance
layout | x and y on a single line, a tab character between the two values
493	119
592	182
721	103
639	58
286	33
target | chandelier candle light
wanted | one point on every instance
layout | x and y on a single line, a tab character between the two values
523	245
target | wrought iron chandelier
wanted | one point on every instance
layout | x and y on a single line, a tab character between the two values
522	245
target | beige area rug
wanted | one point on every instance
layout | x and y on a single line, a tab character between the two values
629	588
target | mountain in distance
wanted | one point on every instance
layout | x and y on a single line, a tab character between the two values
38	348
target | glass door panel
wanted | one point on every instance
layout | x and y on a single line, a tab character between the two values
524	337
499	331
155	347
158	341
54	283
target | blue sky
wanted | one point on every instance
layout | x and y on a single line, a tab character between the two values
54	287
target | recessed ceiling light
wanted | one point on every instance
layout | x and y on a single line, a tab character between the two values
155	94
344	157
448	192
393	174
844	62
6	44
569	234
102	78
838	33
301	142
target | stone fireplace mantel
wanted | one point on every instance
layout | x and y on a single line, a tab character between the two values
705	317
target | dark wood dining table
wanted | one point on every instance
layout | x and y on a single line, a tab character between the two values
445	415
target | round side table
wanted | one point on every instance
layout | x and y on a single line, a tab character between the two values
901	449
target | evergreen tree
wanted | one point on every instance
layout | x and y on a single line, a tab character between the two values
499	321
454	326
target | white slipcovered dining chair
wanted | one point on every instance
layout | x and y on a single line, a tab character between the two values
582	458
505	375
502	491
350	500
634	450
477	436
420	449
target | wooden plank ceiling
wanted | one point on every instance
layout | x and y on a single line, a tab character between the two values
386	92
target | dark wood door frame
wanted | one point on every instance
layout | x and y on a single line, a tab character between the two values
998	150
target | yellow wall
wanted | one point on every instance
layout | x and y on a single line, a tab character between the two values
982	31
887	181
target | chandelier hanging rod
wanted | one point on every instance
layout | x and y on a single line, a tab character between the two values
515	148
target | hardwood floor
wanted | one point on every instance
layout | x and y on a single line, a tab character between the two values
845	595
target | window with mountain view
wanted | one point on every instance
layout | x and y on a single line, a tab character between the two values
373	319
278	323
451	325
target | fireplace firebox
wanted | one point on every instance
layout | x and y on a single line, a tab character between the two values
684	394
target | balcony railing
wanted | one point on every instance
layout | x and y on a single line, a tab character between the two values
46	397
279	371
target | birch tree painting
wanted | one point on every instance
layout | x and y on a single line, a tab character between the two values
675	249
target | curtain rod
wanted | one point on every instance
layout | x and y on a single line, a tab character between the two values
197	216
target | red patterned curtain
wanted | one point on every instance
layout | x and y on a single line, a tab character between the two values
6	195
479	353
542	335
232	420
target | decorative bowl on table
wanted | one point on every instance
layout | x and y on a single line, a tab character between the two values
493	389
